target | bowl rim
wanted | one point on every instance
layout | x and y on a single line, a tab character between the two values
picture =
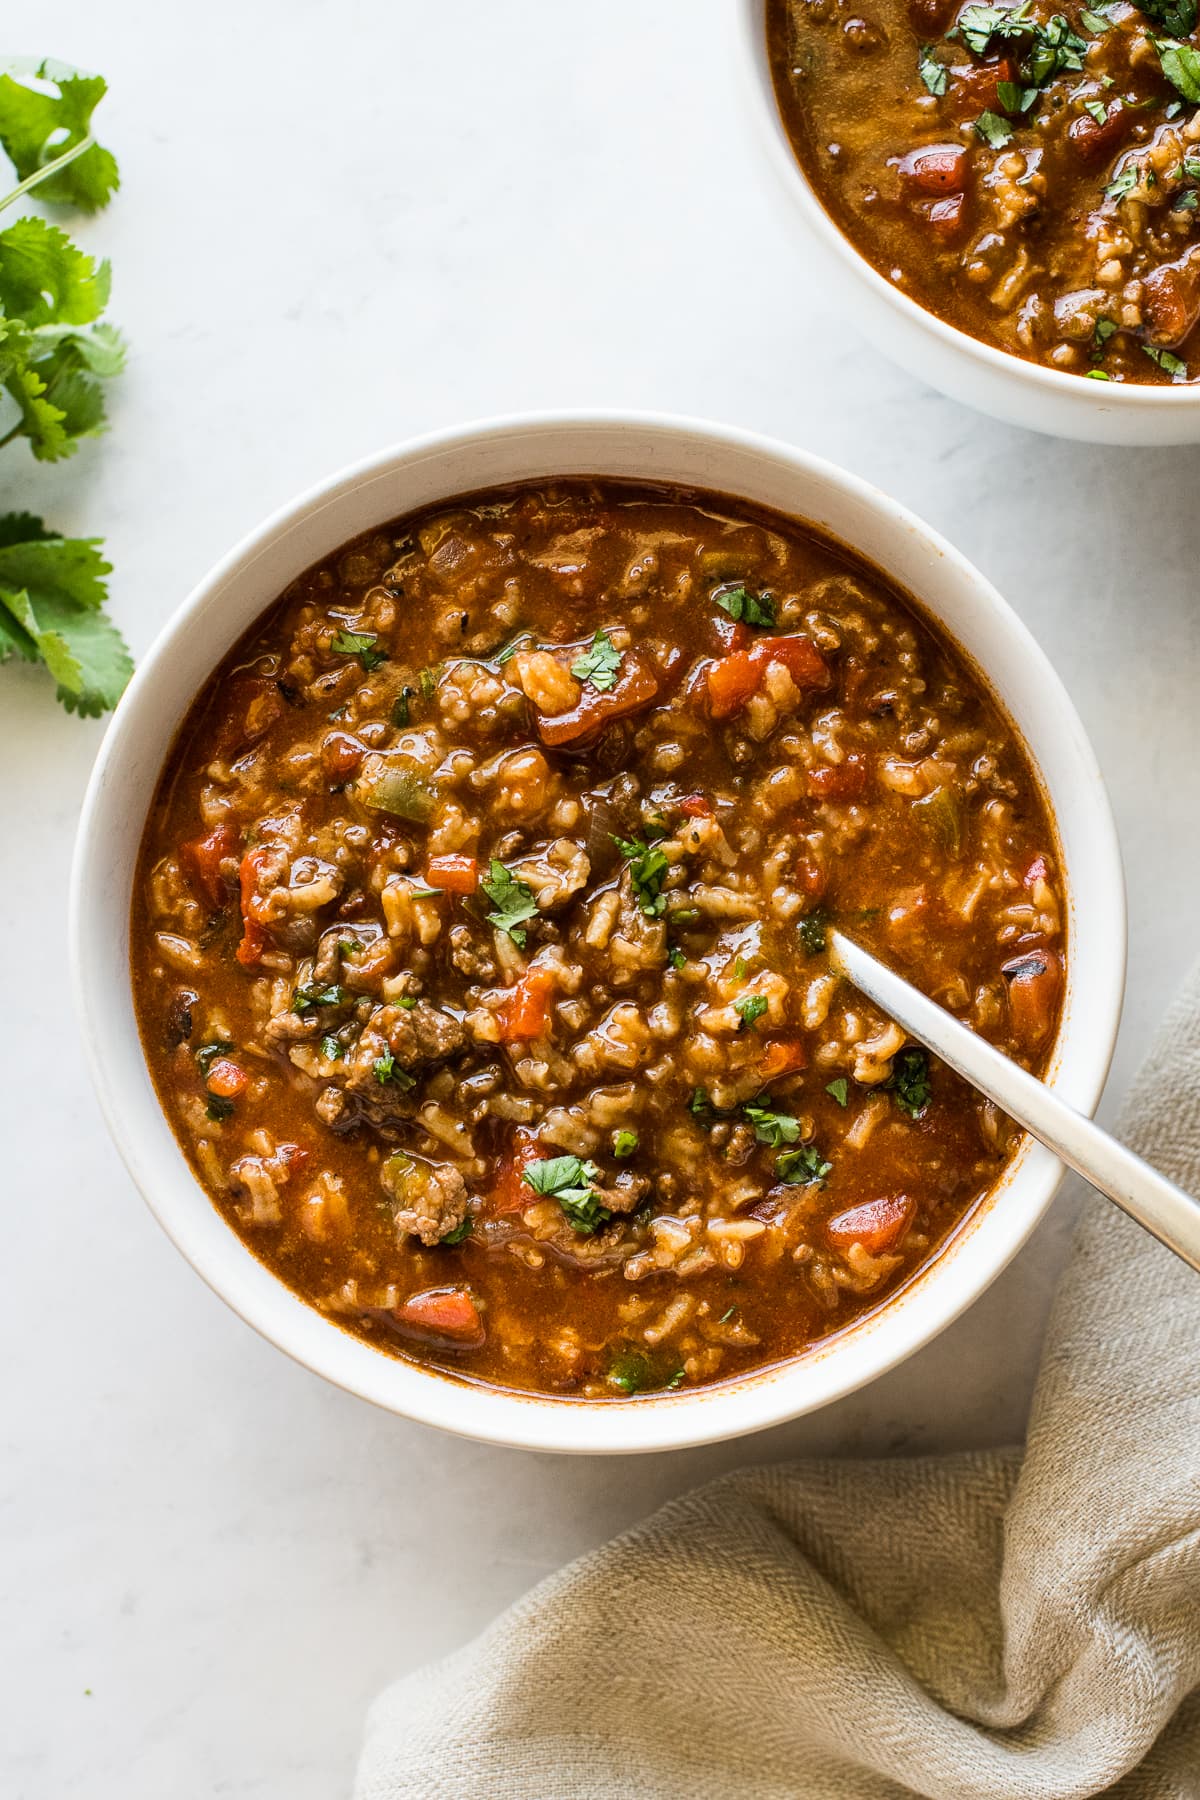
839	1365
1005	364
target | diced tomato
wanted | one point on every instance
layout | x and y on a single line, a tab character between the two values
457	874
1033	980
696	806
733	679
947	217
877	1224
1037	871
784	1057
840	781
934	169
510	1193
1093	141
975	87
341	756
254	935
636	687
811	876
226	1079
442	1313
799	656
1171	301
527	1012
201	859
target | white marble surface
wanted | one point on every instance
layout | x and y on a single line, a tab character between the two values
343	221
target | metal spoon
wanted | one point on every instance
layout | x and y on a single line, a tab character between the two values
1172	1216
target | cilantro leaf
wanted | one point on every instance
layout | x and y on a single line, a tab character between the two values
37	127
459	1232
932	71
812	932
839	1090
750	1008
747	608
360	644
993	130
624	1144
636	1372
1123	182
53	355
771	1128
331	1049
803	1167
648	867
1181	66
1170	364
1095	21
569	1181
386	1070
305	998
909	1081
52	591
599	665
207	1054
513	900
978	25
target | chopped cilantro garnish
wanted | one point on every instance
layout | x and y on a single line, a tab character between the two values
507	651
747	608
741	968
401	708
1098	111
459	1232
635	1372
1123	183
624	1144
839	1090
1181	66
569	1181
802	1167
218	1108
331	1049
648	866
1186	202
979	24
909	1081
1098	375
386	1069
599	664
1105	329
513	900
360	644
207	1054
812	932
1175	16
1014	98
676	958
407	1001
750	1008
771	1128
932	72
305	998
349	946
1170	365
993	130
702	1109
1095	21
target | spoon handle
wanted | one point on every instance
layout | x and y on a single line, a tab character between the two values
1163	1209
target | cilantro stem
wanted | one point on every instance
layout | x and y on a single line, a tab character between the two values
47	169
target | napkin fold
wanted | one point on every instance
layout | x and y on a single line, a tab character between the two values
1002	1625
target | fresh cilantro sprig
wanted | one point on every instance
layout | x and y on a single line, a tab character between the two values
52	593
569	1180
1168	362
512	899
770	1127
1181	66
599	664
55	354
1178	17
306	998
648	866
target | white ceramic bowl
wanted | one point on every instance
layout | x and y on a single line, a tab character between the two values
657	449
1008	387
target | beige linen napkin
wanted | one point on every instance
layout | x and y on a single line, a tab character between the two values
992	1625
